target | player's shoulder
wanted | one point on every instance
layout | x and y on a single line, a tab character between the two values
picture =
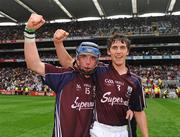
101	68
135	77
49	68
102	65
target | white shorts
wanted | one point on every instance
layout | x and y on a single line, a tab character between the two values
103	130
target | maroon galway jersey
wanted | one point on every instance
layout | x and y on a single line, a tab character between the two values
74	101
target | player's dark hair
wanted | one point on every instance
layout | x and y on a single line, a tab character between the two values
118	37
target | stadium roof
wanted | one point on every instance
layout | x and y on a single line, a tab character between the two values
19	10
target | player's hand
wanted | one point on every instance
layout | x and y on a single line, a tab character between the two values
129	114
35	21
60	35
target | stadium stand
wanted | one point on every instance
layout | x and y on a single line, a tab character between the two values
155	52
165	25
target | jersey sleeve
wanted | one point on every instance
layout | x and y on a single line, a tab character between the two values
55	77
137	99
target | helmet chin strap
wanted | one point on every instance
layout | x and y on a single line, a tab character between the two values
83	71
86	73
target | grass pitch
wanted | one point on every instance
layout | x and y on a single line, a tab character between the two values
26	116
163	117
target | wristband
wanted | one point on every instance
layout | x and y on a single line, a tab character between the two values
29	38
29	31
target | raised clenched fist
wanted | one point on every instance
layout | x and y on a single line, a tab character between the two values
60	35
35	21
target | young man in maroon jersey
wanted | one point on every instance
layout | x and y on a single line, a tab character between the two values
117	90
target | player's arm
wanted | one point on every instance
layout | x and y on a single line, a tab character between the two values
140	116
137	104
142	122
30	50
64	58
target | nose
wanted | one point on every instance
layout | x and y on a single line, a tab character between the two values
88	60
118	50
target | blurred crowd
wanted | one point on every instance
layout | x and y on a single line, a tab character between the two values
165	25
160	81
153	51
22	79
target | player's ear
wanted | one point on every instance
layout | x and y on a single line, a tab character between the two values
108	52
127	53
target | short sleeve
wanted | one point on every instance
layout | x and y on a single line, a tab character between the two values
137	99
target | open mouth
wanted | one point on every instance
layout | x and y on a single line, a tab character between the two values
119	58
87	69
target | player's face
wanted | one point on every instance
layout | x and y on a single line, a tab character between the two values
118	53
87	62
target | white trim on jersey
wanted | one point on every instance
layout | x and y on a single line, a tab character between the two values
57	124
58	131
143	95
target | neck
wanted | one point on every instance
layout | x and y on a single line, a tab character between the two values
121	69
